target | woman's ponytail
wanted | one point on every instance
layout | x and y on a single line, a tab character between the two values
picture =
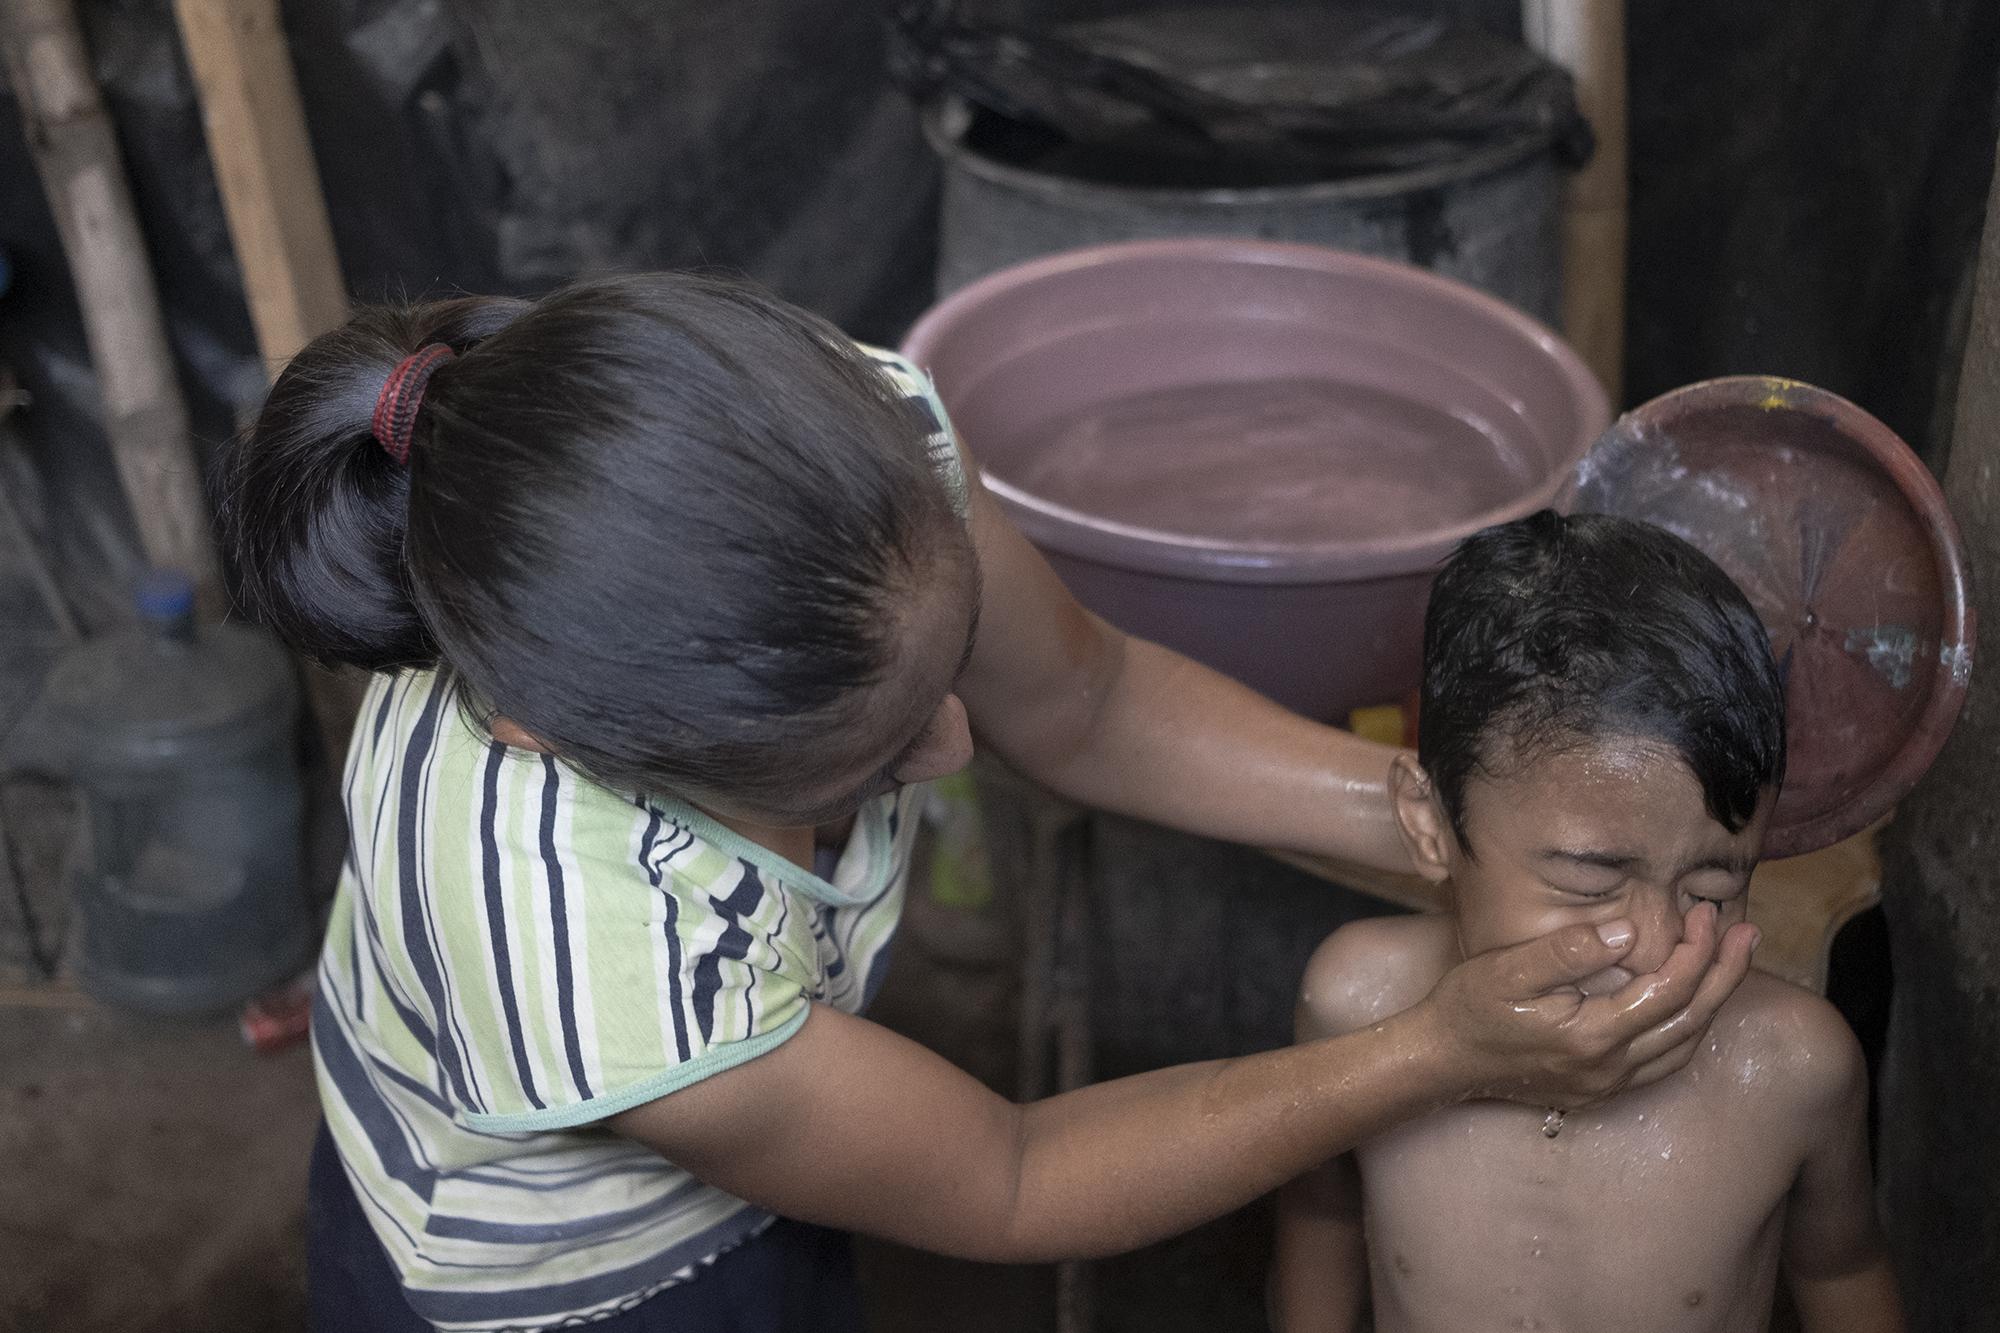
314	503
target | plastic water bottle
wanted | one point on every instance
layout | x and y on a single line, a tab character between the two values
186	872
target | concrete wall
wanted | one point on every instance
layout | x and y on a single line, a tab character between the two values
1939	1156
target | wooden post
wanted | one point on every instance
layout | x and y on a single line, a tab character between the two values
1938	1158
271	195
264	165
1587	37
145	418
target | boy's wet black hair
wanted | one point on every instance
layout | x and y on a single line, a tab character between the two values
667	524
1550	631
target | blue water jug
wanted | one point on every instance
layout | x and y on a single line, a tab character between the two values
186	869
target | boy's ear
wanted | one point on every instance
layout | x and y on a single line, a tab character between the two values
1427	837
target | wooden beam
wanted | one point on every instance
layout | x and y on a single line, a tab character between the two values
264	165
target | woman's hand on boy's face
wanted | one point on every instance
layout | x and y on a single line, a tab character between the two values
1717	969
1526	1033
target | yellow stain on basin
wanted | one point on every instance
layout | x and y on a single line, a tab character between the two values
1778	392
1383	724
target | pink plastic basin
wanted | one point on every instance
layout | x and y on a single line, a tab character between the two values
1258	453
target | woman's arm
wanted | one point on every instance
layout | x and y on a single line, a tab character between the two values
1124	725
849	1125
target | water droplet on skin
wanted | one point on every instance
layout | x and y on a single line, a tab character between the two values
1694	1298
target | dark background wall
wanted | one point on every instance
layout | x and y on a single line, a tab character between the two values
1808	178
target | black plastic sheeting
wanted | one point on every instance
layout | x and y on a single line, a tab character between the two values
1808	180
1808	183
1274	94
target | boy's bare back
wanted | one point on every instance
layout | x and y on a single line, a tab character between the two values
1664	1208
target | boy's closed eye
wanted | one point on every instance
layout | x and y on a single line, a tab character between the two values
1587	874
1594	874
1715	887
1718	879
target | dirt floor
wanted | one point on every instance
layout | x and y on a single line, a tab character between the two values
152	1175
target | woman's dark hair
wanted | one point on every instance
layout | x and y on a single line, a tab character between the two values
666	524
1550	631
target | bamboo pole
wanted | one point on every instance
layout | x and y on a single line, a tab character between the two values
145	418
1587	37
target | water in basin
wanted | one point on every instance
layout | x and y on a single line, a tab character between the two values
1272	462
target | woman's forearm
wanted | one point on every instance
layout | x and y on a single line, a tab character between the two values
1173	742
848	1125
1126	1163
1125	725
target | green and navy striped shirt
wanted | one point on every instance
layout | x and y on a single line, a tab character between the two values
516	953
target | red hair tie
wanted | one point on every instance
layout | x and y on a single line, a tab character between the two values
396	406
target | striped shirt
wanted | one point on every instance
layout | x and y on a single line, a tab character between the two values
516	953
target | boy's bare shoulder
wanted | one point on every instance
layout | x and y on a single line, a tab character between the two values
1792	1044
1371	969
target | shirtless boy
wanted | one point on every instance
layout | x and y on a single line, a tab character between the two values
1601	738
